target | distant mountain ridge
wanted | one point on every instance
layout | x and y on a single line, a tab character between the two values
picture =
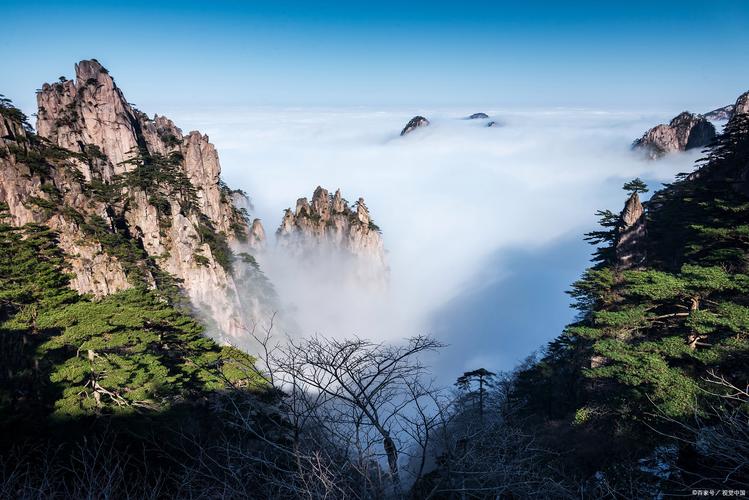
688	130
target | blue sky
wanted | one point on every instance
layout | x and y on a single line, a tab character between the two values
669	55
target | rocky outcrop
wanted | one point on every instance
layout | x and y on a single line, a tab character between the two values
36	180
720	114
135	201
686	131
329	225
257	235
414	123
742	104
478	116
492	124
630	242
89	110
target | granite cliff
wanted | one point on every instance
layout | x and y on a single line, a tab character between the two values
134	200
686	131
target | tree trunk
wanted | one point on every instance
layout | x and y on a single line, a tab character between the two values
392	453
694	336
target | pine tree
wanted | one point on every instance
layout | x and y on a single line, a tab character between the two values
646	339
635	186
481	377
65	353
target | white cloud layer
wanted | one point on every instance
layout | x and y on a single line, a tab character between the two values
447	197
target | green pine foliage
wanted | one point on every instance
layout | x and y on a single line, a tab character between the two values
70	356
635	186
647	339
162	178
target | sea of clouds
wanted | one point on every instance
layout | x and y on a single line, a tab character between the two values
482	225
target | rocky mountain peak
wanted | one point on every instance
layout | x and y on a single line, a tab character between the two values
478	116
414	123
685	131
632	212
321	203
742	104
90	70
257	234
330	225
90	111
338	204
362	212
133	199
302	208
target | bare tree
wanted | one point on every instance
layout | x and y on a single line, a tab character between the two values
371	389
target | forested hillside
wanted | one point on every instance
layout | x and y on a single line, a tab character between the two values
654	373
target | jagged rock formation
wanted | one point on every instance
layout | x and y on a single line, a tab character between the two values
414	123
720	114
686	131
630	248
134	200
478	116
742	104
492	124
328	224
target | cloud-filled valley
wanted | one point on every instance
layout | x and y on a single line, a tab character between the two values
466	212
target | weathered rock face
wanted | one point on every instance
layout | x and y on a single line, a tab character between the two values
478	116
630	243
328	225
720	114
685	131
90	110
34	181
133	199
742	104
414	123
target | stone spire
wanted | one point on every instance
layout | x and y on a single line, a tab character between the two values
362	212
257	235
630	244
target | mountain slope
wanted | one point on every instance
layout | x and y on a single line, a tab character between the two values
134	200
663	329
